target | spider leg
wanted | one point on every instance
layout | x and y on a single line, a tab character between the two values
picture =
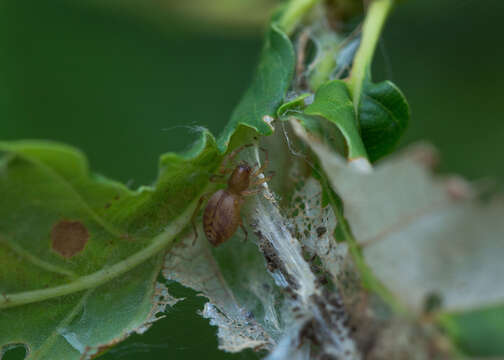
223	168
261	181
265	164
250	192
195	214
255	183
244	230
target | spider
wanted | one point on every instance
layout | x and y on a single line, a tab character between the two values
221	216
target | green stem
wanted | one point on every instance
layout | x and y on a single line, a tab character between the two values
373	24
98	278
293	13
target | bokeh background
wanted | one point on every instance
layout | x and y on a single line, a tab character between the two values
127	80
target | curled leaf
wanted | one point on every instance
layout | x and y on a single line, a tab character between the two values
333	103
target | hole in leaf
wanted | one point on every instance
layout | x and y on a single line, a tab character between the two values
13	352
69	237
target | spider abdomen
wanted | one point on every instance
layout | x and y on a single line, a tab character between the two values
221	217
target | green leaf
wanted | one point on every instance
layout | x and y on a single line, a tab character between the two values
273	77
80	254
79	325
383	117
333	102
477	333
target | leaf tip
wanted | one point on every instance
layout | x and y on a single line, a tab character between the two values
269	121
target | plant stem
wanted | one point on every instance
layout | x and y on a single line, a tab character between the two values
373	24
98	278
293	13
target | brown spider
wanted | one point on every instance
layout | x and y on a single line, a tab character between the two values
221	216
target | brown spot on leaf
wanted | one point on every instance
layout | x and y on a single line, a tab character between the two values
69	237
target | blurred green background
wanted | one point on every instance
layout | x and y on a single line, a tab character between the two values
128	80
